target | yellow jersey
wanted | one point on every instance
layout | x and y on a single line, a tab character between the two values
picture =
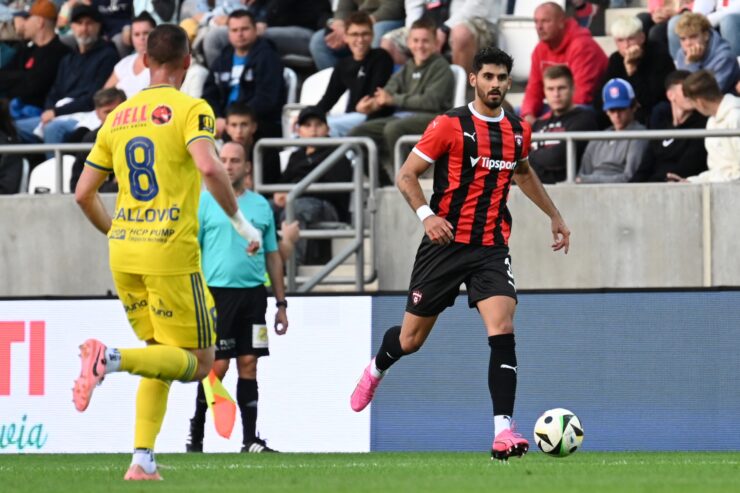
144	142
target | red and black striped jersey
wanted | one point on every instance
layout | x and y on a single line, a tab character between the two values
475	159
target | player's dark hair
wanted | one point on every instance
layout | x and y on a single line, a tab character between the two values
676	77
492	56
241	13
424	23
358	18
558	72
107	96
702	84
241	108
145	16
167	44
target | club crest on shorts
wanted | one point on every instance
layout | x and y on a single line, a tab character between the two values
416	296
162	115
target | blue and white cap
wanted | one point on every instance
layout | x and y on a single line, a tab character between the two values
617	94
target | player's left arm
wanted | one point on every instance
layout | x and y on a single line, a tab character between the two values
274	263
530	184
87	197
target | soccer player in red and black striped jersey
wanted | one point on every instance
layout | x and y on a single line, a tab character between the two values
479	149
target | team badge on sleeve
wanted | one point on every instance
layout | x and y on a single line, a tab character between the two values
206	123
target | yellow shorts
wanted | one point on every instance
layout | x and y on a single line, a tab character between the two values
174	310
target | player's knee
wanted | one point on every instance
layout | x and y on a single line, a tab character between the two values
205	363
410	343
500	327
247	367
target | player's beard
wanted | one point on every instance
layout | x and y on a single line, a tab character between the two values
482	95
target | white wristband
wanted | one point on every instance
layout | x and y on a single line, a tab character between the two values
245	228
424	212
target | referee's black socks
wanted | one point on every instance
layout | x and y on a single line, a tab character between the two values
390	350
502	370
247	396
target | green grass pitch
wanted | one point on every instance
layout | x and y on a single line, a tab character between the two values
379	472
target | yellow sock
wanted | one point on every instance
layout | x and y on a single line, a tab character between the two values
160	362
151	404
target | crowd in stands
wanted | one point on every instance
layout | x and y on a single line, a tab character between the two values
676	66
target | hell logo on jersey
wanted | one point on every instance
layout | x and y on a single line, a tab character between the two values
162	115
518	139
206	123
130	115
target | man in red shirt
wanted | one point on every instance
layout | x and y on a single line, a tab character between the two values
479	149
562	42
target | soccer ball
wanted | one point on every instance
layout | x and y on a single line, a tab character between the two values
558	432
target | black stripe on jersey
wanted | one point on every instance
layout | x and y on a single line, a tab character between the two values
503	211
198	321
467	172
484	201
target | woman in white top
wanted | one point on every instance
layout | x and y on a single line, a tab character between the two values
130	75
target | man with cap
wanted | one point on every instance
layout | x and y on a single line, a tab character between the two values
313	208
27	78
614	161
80	74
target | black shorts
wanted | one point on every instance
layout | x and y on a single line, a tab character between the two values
240	321
439	270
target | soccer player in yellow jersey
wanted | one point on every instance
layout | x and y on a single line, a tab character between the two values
158	143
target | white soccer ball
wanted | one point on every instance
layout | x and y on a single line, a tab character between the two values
558	432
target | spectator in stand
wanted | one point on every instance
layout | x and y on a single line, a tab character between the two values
11	165
548	157
80	74
27	79
562	42
116	16
463	28
289	24
328	45
644	64
241	126
614	161
723	153
106	101
360	74
413	96
313	208
655	20
682	157
723	15
130	74
703	48
249	70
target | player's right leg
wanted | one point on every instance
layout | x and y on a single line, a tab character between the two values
435	283
398	341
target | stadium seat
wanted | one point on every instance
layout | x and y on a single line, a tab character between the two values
314	87
291	81
43	178
23	186
461	84
517	37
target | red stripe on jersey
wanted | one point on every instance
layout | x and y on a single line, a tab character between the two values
467	213
454	170
508	154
